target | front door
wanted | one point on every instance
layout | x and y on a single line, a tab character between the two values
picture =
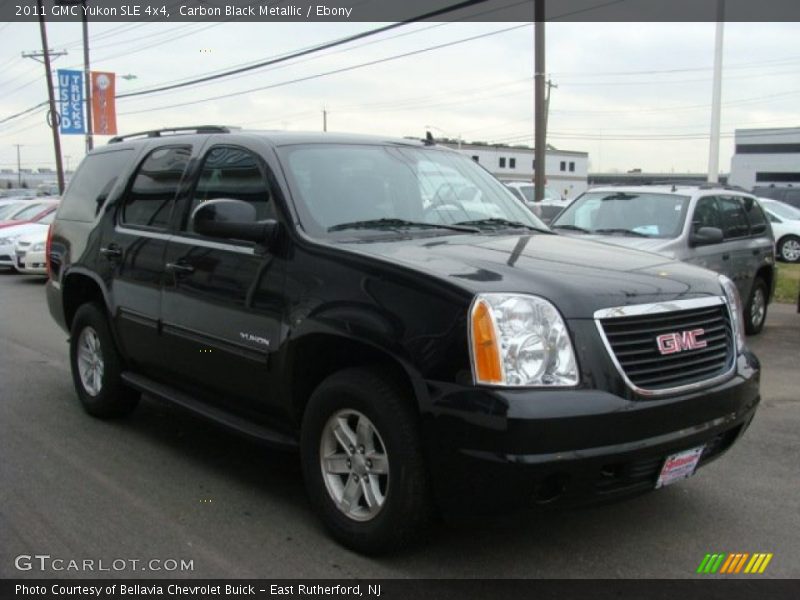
221	303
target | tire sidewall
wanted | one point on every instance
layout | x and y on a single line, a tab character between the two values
111	399
379	533
750	327
790	238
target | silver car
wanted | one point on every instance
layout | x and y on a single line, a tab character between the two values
715	227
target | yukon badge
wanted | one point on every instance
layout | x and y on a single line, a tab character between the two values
670	343
251	337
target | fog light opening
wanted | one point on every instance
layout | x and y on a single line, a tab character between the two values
550	489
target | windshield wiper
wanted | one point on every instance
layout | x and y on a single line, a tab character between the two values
398	224
621	230
500	223
571	228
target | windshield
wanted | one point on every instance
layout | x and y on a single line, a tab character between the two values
785	211
346	190
28	212
626	213
9	209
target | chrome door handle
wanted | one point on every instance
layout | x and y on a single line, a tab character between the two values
180	268
111	251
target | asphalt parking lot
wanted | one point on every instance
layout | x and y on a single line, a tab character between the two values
165	485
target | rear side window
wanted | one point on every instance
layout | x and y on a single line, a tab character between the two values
755	216
91	184
150	198
734	219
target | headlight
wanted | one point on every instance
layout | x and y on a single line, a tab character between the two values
520	340
736	308
38	247
9	240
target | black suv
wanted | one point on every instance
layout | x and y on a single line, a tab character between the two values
387	306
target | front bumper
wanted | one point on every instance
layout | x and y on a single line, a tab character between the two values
31	263
491	449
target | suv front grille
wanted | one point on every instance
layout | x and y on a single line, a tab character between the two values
633	342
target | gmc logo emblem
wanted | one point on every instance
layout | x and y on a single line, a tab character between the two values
670	343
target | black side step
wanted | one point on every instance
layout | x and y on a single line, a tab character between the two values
255	430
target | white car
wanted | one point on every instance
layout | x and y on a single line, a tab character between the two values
29	253
10	235
785	221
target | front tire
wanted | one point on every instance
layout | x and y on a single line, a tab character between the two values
756	309
97	366
789	249
363	462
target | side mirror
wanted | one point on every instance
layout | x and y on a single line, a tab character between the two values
231	219
705	236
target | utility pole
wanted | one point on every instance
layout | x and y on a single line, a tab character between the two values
19	167
540	114
86	76
324	120
53	117
716	97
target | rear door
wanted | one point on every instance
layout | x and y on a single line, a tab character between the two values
760	244
739	246
132	252
222	299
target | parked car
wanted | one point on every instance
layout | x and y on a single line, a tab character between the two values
18	193
788	195
8	207
29	249
298	288
10	235
718	228
29	212
547	208
785	222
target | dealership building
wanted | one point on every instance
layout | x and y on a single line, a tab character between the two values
765	157
566	172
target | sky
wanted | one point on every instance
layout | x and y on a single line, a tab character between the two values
631	95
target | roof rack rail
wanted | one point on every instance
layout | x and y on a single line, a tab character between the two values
158	132
723	186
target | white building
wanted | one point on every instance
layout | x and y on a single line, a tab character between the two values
566	172
766	157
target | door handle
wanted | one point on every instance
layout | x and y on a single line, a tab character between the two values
756	252
111	252
726	256
180	268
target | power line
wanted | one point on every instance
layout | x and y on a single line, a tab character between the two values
327	73
324	46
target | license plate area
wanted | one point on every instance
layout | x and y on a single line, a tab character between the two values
679	466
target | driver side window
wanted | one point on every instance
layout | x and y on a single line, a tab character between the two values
706	214
232	172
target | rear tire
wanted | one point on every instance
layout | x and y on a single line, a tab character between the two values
789	249
97	366
755	313
363	462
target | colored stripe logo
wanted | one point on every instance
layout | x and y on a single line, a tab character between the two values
737	562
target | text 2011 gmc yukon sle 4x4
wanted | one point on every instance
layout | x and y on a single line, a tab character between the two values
388	307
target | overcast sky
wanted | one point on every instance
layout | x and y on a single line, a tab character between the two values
631	95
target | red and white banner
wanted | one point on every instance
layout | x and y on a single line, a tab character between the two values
104	112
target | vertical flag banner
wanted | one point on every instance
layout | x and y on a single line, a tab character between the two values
104	112
70	101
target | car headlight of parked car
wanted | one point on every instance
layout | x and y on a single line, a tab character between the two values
9	240
38	247
520	340
736	308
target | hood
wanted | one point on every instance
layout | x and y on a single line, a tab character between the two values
657	245
23	229
578	276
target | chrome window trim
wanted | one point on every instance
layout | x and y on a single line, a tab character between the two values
191	241
657	308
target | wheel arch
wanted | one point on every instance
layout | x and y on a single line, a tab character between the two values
77	288
314	357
